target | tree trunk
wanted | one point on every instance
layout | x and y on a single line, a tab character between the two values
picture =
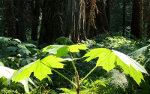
51	26
136	24
74	23
20	19
101	19
124	18
10	18
35	6
15	19
148	32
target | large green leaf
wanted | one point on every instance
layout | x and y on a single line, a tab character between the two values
63	51
40	71
129	61
136	75
52	48
108	59
76	48
41	68
53	61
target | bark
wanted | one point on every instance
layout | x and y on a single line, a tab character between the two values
51	26
75	27
10	18
15	19
124	18
108	11
20	19
35	6
136	24
148	32
102	19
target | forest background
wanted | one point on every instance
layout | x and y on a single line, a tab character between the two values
26	26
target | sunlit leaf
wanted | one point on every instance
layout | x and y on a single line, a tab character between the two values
53	61
40	71
108	59
135	74
62	51
129	61
76	48
52	48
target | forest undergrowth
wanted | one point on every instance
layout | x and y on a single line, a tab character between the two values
15	54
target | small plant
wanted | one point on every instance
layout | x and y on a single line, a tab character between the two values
106	58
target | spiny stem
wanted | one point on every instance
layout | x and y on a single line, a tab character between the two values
73	62
78	82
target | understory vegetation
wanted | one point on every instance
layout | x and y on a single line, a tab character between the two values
74	46
65	65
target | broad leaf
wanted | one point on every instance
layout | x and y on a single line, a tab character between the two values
63	51
39	67
136	75
52	48
108	59
40	71
76	48
129	61
23	50
53	61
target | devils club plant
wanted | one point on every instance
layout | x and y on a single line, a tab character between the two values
108	59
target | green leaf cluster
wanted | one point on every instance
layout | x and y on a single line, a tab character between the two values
108	59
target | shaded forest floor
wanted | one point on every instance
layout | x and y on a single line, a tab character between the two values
18	54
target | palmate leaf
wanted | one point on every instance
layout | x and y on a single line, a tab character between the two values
62	50
52	48
77	48
129	61
52	61
41	68
108	59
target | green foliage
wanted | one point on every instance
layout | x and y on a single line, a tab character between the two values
7	73
64	41
41	68
16	54
109	59
48	60
119	43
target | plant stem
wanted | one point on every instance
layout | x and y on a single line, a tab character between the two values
73	62
78	82
76	75
88	74
64	77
